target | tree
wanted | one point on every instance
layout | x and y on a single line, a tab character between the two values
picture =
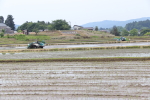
2	33
134	32
115	31
144	31
60	25
49	27
36	31
9	22
138	25
1	19
120	28
148	33
96	28
41	25
124	32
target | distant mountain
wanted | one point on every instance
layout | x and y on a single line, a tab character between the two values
111	23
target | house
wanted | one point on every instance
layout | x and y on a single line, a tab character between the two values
6	28
76	27
26	32
88	28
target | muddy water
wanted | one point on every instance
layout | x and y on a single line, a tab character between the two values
75	81
79	54
82	45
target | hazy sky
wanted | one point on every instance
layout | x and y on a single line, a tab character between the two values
74	11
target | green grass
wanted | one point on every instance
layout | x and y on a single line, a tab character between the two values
49	38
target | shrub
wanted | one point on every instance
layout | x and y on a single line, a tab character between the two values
1	34
8	36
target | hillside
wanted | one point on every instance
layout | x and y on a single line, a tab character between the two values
111	23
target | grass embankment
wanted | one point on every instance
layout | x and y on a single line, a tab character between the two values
79	59
22	39
61	37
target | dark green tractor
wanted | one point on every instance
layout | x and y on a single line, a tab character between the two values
120	39
37	44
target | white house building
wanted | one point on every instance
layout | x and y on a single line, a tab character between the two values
76	27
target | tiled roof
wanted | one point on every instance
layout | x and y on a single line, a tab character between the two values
2	24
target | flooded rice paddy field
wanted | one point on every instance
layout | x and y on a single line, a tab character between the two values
81	45
129	80
79	54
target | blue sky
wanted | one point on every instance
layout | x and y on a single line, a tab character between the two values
77	12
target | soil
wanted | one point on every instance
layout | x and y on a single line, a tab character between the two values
121	80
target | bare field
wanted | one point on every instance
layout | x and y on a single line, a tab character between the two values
128	80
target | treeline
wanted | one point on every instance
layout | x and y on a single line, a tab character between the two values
120	31
42	25
138	25
36	26
132	29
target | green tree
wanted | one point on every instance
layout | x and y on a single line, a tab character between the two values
96	28
23	26
115	31
144	31
1	19
19	31
9	22
120	28
36	31
31	26
138	25
60	25
2	33
42	27
50	27
124	32
148	33
134	32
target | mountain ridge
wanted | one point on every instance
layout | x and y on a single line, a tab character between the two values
111	23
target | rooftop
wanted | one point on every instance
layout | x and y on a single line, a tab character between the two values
2	24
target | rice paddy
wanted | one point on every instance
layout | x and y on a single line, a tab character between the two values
120	80
97	73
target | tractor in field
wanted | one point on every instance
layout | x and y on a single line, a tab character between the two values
37	44
120	39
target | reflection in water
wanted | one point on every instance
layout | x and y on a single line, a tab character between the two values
12	53
8	53
3	53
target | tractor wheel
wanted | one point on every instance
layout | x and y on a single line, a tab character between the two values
34	47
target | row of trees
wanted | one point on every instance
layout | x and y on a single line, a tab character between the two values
9	21
35	26
120	31
138	25
42	25
132	29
